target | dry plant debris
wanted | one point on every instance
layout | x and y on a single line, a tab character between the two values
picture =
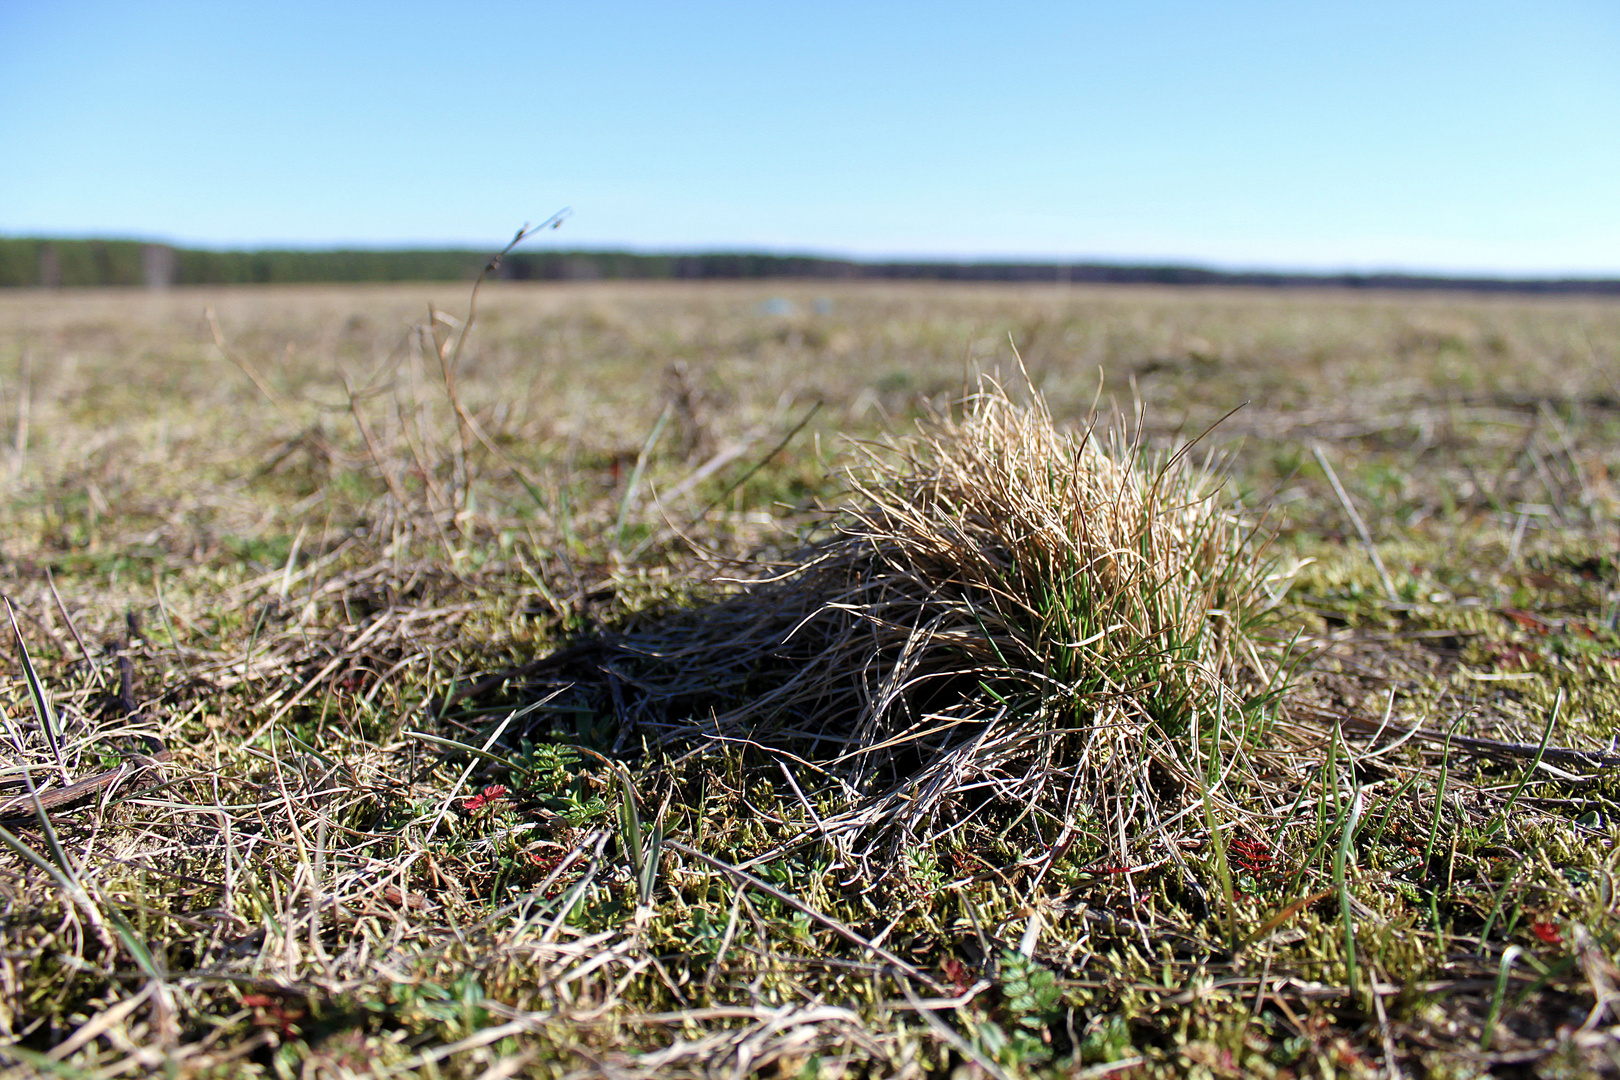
469	773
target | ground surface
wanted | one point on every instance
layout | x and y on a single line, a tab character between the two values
255	546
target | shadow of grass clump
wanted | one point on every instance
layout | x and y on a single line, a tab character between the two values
1001	611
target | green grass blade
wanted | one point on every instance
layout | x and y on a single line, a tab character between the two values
452	744
36	692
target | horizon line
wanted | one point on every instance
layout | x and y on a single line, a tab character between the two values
1116	262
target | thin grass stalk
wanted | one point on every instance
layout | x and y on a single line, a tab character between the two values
1495	824
1488	1029
1342	884
43	712
1440	791
633	486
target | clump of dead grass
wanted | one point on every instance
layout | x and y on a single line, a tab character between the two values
1002	611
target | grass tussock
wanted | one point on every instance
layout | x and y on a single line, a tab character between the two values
1003	611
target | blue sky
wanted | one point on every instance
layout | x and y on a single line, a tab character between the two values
1463	137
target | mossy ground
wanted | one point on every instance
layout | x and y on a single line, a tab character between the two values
300	552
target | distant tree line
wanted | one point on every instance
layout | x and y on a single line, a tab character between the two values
68	263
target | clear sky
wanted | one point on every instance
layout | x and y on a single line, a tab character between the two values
1476	136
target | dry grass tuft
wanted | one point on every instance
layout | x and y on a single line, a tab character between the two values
1005	611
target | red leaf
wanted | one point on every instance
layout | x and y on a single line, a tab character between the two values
1528	621
1547	932
489	795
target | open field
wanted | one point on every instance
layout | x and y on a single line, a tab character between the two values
418	741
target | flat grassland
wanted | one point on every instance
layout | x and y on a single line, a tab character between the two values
313	597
